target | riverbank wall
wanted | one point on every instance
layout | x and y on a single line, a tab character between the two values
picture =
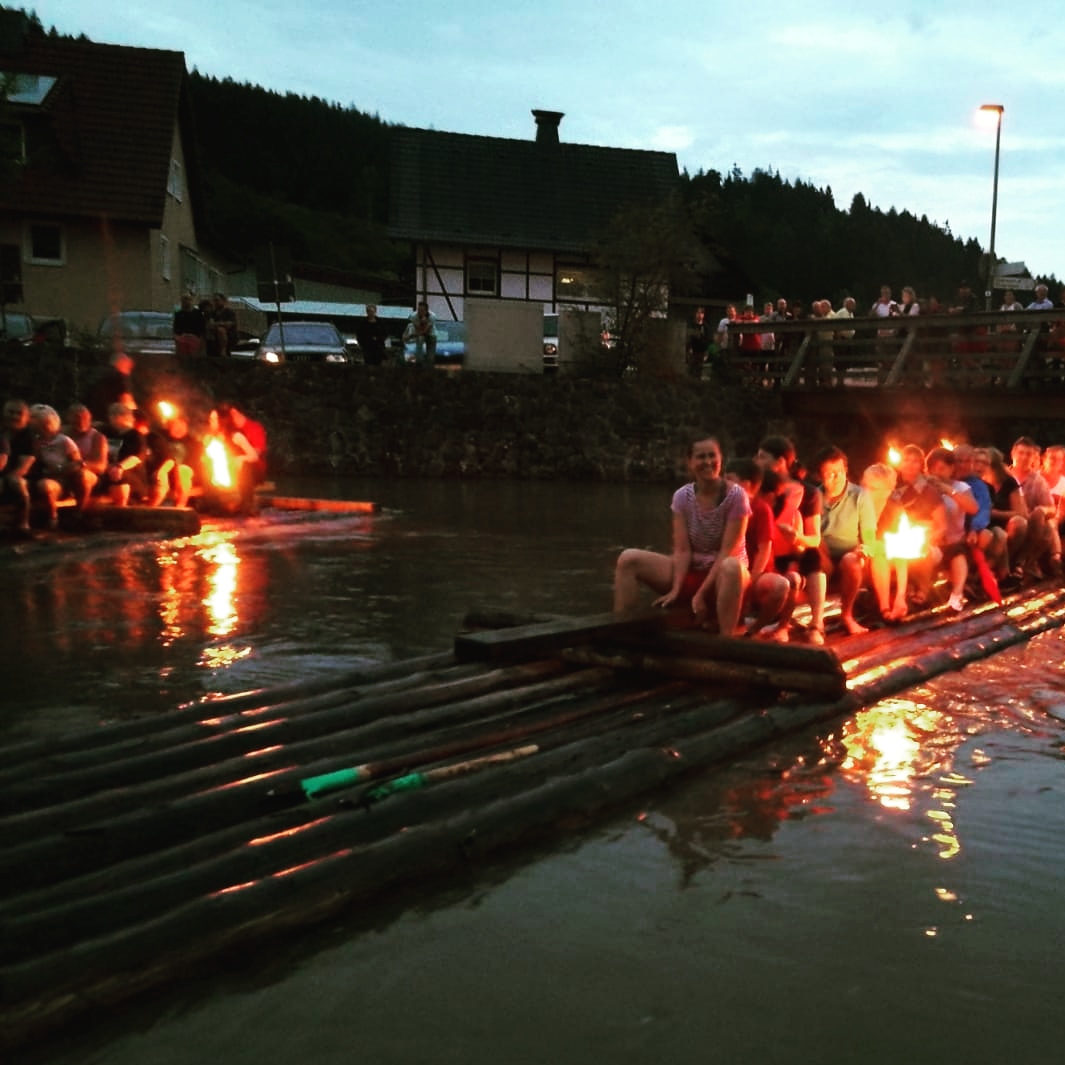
409	421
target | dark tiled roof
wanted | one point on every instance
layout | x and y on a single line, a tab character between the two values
100	143
491	190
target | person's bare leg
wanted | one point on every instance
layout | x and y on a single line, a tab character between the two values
636	568
730	584
850	581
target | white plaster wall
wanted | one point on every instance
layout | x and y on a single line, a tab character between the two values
504	337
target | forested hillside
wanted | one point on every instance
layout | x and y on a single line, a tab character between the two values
304	173
793	240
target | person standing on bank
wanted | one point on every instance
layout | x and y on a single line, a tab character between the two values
708	564
372	335
421	328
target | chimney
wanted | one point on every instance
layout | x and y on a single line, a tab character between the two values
547	126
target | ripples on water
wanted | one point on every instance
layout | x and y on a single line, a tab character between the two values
886	886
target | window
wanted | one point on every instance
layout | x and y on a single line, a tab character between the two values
12	142
575	283
164	257
482	277
173	182
44	243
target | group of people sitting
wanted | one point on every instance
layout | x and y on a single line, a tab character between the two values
130	458
756	536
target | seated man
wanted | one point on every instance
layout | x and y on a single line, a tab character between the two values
16	460
181	464
1042	550
91	445
58	472
126	476
980	535
848	532
247	439
960	505
879	482
924	506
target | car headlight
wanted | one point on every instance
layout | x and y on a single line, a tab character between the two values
270	356
335	356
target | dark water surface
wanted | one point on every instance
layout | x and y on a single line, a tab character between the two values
886	889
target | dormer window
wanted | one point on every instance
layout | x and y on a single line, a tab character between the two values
174	184
29	90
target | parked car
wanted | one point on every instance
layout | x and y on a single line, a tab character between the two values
302	342
139	332
450	344
30	331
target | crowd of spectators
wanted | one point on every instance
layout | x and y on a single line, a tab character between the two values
707	347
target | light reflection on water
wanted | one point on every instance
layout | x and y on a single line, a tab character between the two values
889	865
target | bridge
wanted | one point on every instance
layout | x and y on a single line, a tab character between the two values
995	363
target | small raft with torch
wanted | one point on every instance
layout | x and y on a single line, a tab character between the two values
145	850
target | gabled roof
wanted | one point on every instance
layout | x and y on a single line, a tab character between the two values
99	143
460	188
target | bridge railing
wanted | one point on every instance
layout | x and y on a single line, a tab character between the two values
993	349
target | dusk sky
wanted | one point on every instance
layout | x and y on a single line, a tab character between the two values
877	101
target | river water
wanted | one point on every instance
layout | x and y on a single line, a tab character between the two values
886	888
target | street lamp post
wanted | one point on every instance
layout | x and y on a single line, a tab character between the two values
997	109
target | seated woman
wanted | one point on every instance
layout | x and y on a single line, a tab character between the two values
1009	512
770	598
58	472
708	564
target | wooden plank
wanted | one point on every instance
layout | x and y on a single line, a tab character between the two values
709	670
333	506
174	521
549	637
765	653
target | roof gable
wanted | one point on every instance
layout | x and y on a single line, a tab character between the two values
461	188
99	143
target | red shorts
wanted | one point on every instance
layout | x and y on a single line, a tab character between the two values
693	581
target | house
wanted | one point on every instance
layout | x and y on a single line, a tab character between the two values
99	199
513	220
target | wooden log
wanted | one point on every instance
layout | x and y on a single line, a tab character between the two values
224	707
170	521
711	671
333	506
766	653
224	791
545	638
169	732
46	990
91	906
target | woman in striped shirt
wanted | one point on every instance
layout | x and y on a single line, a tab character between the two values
708	564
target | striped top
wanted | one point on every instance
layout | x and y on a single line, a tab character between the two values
706	526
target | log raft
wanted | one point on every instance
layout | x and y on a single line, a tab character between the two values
134	853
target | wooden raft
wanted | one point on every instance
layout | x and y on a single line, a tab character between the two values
136	852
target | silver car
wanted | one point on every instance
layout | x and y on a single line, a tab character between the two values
302	342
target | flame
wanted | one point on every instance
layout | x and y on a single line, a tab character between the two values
907	542
948	444
166	410
894	456
215	450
